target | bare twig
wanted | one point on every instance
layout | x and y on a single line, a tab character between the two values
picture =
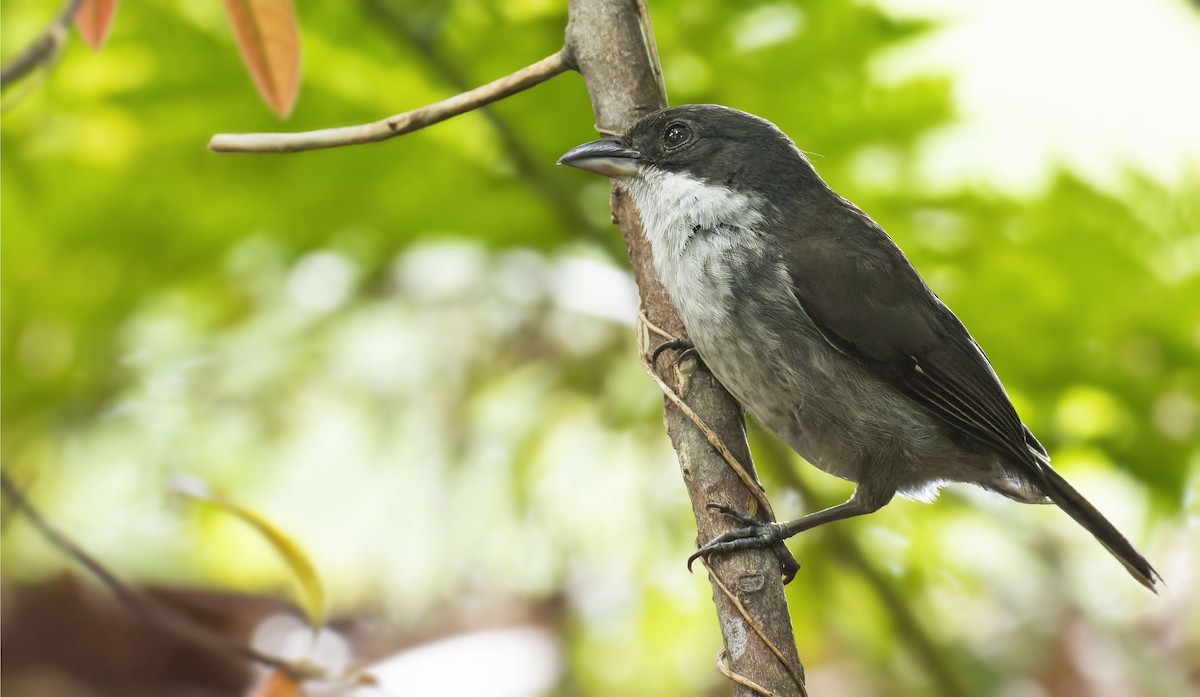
397	125
43	49
151	611
713	439
751	484
758	629
530	167
724	669
652	48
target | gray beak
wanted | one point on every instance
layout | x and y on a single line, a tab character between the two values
606	156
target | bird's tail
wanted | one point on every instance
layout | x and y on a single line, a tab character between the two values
1086	515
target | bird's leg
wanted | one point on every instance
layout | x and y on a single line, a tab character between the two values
757	534
788	566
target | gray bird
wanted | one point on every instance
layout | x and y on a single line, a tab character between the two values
814	320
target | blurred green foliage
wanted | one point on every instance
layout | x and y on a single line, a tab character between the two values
365	339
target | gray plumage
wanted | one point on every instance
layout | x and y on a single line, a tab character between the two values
812	317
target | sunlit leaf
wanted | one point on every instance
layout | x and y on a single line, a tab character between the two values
276	684
94	19
313	593
269	39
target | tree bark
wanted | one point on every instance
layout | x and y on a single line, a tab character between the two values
606	42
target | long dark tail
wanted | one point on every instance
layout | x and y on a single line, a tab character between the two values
1086	515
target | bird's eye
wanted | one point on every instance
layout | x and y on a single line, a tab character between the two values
676	134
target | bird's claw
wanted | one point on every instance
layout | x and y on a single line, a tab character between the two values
754	535
739	515
684	346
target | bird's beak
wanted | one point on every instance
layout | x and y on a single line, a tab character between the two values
606	156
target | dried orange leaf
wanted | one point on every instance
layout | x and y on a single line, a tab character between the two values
276	684
269	39
312	597
94	19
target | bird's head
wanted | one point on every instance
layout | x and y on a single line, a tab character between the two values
713	144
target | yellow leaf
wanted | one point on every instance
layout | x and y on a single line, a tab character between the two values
313	593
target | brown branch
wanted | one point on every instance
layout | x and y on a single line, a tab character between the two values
397	125
43	49
608	43
154	613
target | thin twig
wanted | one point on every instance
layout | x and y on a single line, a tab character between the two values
787	564
723	657
737	602
751	485
43	49
154	613
652	47
397	125
528	164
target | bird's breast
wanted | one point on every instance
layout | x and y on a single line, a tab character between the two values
734	296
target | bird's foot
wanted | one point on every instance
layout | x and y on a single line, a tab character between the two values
685	347
754	534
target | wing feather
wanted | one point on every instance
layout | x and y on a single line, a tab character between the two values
870	303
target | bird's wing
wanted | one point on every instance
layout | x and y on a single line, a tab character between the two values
869	303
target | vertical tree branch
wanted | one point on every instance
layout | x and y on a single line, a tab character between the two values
607	43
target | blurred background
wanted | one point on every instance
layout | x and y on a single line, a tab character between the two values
417	357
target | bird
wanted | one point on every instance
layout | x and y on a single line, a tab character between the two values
811	316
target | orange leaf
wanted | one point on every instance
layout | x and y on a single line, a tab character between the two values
94	19
269	39
276	684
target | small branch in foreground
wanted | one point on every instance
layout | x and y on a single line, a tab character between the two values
151	611
529	166
42	50
397	125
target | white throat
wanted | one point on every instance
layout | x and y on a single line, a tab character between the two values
687	220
